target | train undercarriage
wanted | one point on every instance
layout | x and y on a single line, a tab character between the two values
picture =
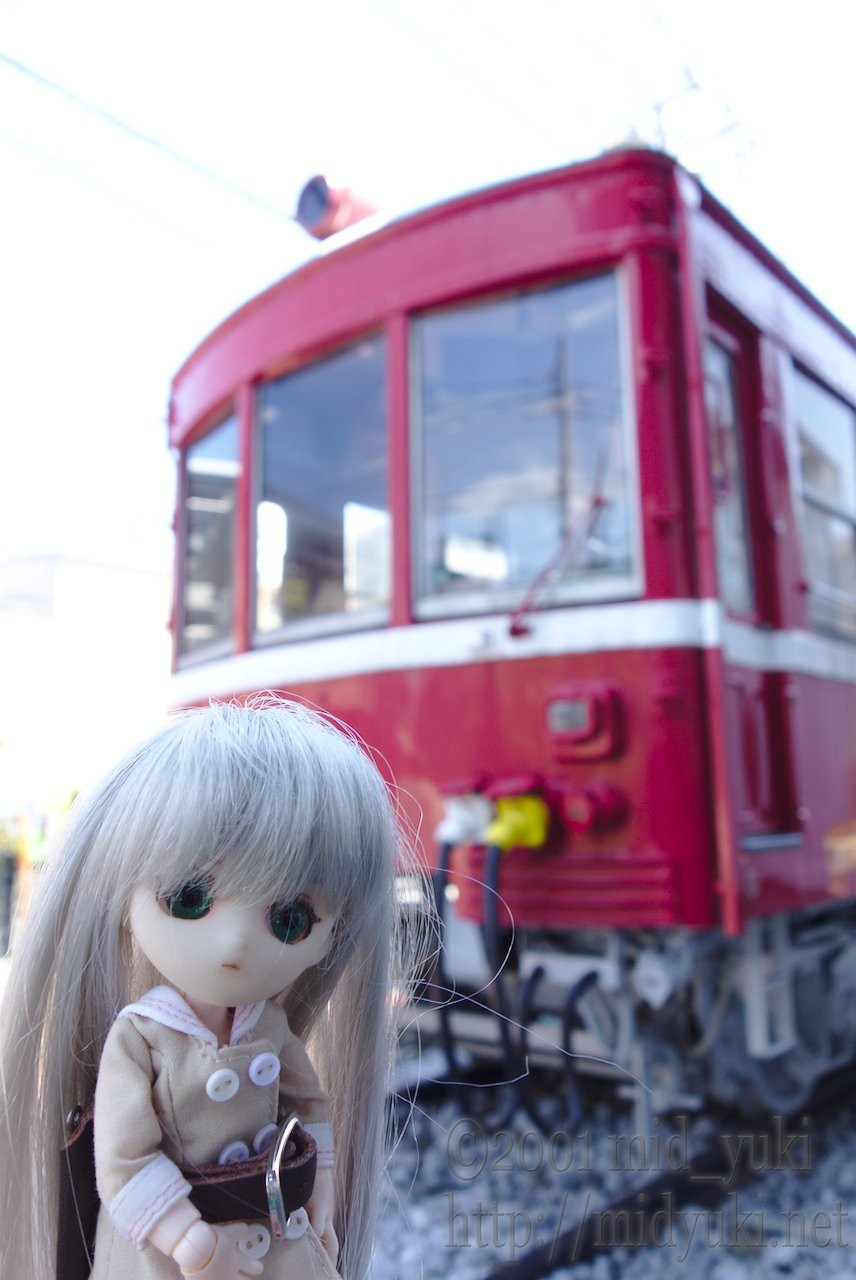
674	1017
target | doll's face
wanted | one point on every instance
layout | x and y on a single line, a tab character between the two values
226	952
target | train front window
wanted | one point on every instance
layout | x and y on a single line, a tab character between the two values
211	471
525	467
827	446
322	518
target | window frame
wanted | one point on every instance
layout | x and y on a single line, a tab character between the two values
341	622
225	645
734	336
430	606
810	498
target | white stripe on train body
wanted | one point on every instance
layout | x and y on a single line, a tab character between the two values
602	628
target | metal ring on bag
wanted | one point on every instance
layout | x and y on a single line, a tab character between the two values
279	1218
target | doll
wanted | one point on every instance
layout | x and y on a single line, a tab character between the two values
222	899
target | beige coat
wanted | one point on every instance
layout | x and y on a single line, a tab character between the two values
168	1095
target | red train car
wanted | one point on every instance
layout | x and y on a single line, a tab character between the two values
550	492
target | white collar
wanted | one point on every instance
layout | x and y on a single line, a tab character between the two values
166	1006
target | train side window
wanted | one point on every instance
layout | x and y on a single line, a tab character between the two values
723	400
211	470
826	429
522	417
322	517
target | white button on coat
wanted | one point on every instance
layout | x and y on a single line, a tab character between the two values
257	1241
264	1069
222	1085
233	1152
264	1138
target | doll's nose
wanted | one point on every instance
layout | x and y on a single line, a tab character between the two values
237	934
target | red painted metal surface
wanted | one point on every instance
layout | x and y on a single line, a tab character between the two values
494	713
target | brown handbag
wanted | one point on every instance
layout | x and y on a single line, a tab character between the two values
221	1193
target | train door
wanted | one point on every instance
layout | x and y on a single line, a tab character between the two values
756	697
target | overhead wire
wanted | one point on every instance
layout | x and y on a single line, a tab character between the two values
236	189
147	139
104	189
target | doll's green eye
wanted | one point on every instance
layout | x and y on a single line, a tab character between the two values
292	921
191	902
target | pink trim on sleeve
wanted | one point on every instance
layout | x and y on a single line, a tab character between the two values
323	1135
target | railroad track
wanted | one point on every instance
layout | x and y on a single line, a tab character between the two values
654	1212
480	1192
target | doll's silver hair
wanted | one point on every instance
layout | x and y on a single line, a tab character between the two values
270	800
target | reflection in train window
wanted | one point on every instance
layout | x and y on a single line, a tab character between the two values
322	519
211	474
728	478
522	420
827	444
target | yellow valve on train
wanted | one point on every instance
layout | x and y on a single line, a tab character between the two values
520	822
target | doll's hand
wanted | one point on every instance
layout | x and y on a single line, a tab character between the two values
320	1210
216	1253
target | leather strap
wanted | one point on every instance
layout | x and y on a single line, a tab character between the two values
78	1199
221	1193
230	1192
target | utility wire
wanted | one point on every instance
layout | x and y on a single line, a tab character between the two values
203	241
146	138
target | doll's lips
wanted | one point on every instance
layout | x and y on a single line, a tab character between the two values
236	968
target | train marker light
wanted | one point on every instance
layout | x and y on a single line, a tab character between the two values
520	822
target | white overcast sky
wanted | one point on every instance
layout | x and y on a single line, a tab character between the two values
116	260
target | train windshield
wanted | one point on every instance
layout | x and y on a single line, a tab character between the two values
525	451
322	520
